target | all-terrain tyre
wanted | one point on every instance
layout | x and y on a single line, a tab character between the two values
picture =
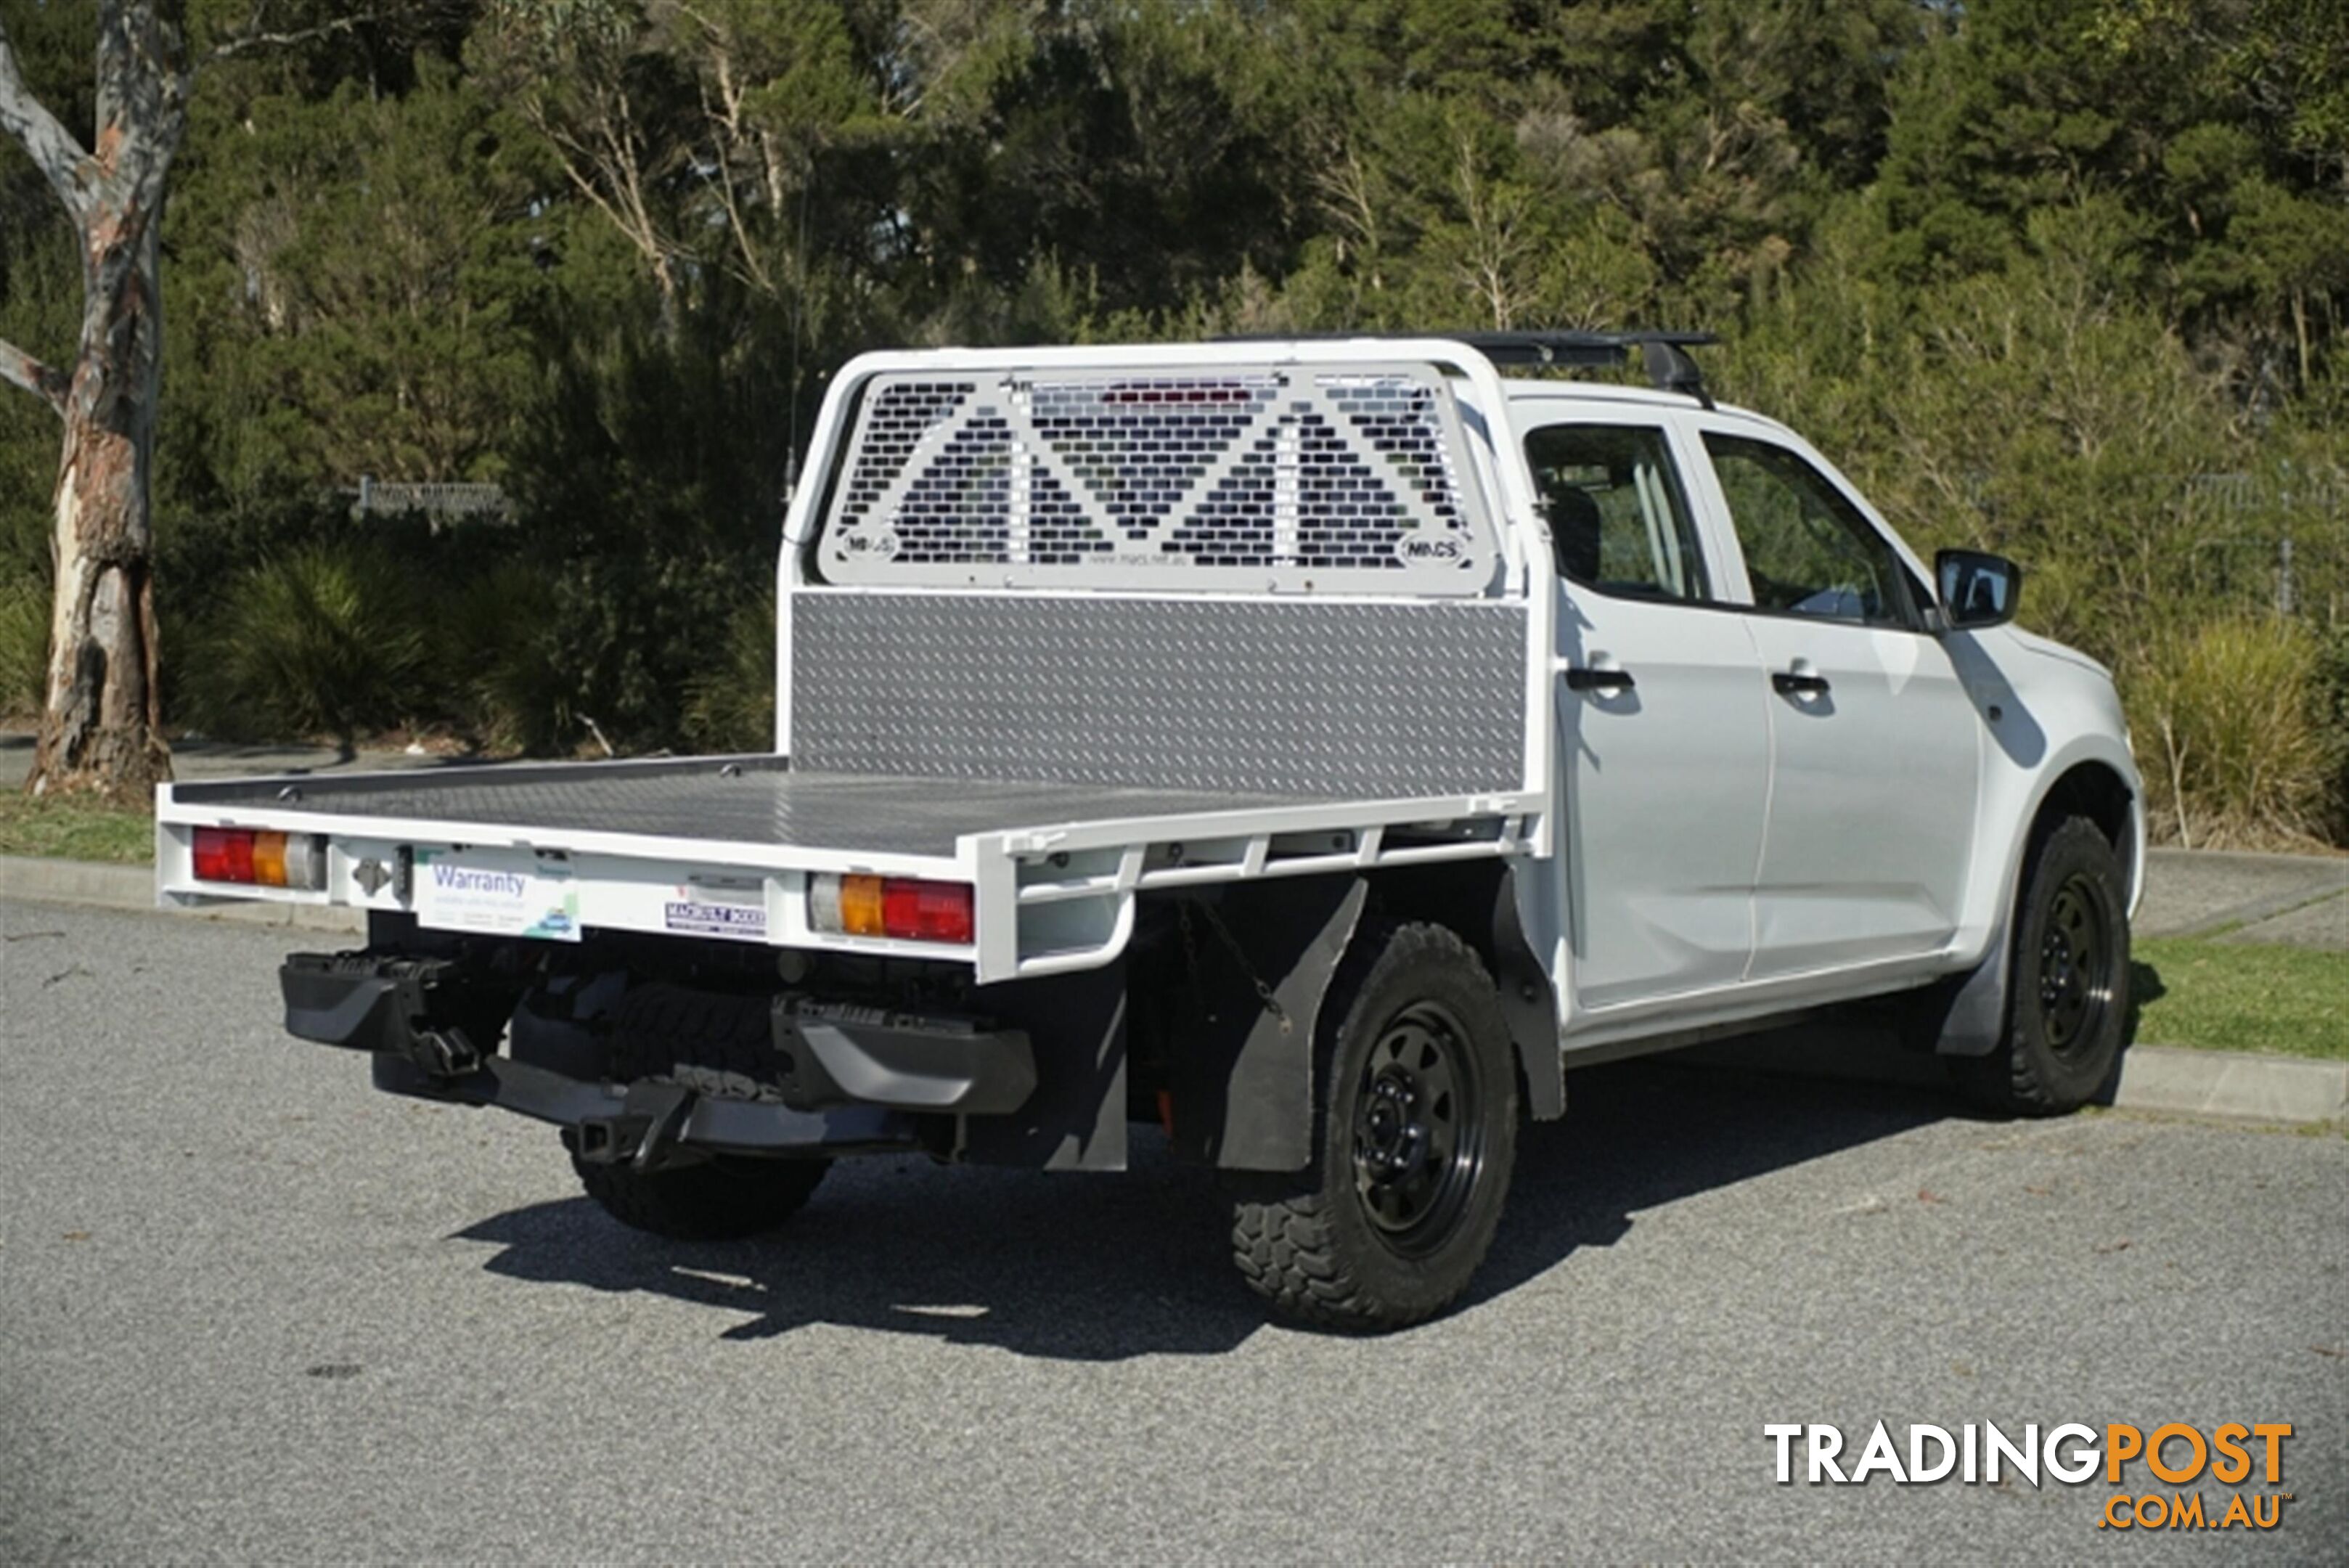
723	1046
2067	983
1415	1138
722	1199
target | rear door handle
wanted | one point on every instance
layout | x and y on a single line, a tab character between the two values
1794	685
1580	679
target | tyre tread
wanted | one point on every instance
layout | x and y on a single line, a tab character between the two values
1285	1241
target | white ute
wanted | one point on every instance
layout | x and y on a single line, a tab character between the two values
1316	748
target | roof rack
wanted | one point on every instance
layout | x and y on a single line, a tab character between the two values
1668	366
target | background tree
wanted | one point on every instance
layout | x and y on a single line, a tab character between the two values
2065	277
101	715
102	718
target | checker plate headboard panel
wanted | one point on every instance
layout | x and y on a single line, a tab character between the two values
1315	699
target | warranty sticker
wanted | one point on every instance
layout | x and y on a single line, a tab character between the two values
506	895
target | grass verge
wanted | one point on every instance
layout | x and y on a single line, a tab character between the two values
2215	996
71	829
2228	996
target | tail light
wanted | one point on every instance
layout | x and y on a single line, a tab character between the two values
263	859
906	908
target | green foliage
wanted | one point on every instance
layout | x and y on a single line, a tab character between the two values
2065	278
2234	735
2233	996
68	827
496	663
2332	703
731	706
24	644
325	640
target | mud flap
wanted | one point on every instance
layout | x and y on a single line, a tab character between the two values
1241	1086
1075	1119
1965	1015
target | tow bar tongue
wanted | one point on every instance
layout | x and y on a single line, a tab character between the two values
645	1133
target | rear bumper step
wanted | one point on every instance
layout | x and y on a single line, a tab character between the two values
652	1125
857	1078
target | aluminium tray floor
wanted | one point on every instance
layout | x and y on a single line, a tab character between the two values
761	804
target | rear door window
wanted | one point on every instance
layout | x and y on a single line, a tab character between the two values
1618	519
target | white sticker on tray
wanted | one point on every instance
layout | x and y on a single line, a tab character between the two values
717	909
497	894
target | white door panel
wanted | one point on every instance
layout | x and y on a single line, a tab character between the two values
1875	743
1666	787
1663	715
1871	799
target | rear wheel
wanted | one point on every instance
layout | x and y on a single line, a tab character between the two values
1417	1137
2068	983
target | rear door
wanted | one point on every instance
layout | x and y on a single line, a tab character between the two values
1663	715
1876	743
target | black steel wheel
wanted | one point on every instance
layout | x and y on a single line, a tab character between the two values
2075	970
2067	986
1419	1131
1417	1137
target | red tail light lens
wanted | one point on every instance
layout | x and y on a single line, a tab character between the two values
225	853
266	859
906	908
925	911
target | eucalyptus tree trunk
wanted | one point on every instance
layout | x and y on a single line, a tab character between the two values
100	719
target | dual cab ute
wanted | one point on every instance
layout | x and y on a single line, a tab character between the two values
1314	747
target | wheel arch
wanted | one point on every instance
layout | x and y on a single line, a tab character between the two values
1478	899
1967	1014
1241	1085
2095	789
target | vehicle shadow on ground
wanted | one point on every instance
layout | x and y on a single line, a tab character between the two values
1104	1267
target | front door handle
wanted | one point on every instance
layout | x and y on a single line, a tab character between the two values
1795	685
1580	679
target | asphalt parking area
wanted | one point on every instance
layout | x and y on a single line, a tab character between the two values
253	1310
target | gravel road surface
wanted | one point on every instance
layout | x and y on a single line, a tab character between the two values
250	1310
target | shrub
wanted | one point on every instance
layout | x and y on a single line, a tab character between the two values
24	645
2333	713
322	640
502	665
730	707
2232	733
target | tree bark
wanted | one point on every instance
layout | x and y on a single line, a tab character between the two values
101	725
101	719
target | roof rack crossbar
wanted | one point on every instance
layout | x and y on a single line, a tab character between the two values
1663	354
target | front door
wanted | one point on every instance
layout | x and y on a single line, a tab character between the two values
1662	722
1876	745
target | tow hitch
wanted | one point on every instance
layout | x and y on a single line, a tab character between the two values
645	1133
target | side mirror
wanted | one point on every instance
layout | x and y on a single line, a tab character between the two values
1977	588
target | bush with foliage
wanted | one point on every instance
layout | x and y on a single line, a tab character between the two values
2041	274
323	640
2237	734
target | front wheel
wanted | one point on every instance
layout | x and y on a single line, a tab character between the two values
1418	1128
2068	985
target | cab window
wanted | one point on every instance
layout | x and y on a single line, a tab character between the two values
1808	551
1618	517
